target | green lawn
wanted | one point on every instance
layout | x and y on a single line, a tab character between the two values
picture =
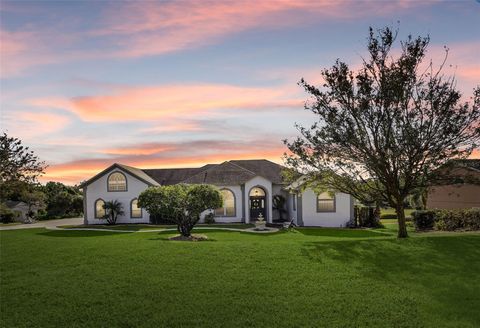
391	211
303	278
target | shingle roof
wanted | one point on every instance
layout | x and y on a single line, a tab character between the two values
227	173
174	176
129	169
269	170
222	174
139	174
470	163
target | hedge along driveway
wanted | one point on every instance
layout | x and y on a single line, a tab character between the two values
309	277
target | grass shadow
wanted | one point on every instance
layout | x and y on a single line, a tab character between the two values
342	233
417	262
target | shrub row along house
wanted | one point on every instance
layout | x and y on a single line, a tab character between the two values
248	188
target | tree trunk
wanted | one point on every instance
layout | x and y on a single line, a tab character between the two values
402	224
185	229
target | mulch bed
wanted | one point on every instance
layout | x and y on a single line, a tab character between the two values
190	238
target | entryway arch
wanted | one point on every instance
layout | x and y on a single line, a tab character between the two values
257	199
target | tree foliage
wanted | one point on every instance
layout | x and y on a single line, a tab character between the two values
17	162
62	200
384	131
279	205
181	204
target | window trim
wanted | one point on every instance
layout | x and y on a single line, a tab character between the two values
334	204
131	210
225	209
95	209
108	184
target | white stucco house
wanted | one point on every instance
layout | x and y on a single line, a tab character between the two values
247	187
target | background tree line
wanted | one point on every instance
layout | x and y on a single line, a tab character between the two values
19	172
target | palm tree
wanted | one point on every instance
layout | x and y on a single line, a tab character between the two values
112	210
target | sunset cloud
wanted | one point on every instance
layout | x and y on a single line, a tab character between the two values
155	28
186	155
34	124
171	101
149	28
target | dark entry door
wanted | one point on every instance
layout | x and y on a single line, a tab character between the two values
257	207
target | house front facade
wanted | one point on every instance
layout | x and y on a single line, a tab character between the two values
248	188
465	193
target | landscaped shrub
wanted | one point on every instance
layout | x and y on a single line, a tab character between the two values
366	216
472	219
210	218
423	220
7	216
461	219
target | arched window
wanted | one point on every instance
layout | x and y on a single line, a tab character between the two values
117	182
257	192
135	211
228	208
99	210
325	202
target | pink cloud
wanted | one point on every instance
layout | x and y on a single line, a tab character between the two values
187	154
152	28
34	124
136	29
172	101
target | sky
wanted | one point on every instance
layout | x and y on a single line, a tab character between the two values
183	83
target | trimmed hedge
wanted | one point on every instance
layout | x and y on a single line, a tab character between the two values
423	220
447	220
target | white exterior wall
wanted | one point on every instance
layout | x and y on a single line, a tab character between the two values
339	218
292	212
267	186
237	191
98	189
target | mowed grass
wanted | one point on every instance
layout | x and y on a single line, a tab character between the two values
303	278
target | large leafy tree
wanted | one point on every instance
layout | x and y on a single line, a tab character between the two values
19	167
385	130
181	204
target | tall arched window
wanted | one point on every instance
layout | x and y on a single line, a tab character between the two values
135	211
228	208
99	210
117	181
325	202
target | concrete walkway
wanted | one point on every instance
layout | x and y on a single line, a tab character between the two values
49	224
54	225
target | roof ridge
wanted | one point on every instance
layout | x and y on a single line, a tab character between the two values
243	168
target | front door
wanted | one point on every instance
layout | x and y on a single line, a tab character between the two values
257	207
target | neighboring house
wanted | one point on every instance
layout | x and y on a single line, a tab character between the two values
21	209
247	187
464	194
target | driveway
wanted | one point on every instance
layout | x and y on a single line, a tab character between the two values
44	224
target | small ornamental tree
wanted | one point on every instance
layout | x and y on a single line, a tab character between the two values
112	210
181	204
387	130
